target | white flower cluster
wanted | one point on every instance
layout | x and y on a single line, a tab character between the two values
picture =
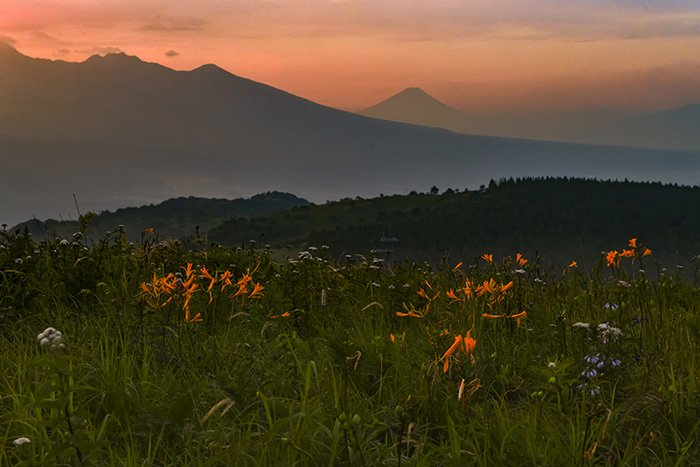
581	326
21	441
52	338
608	332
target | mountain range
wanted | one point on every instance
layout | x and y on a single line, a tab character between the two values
671	129
116	131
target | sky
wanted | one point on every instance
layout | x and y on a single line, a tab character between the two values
476	55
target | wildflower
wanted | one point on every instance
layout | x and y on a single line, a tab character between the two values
538	280
520	260
304	255
627	254
393	338
589	373
573	264
391	287
594	391
647	252
581	326
488	257
52	338
64	242
624	284
466	344
518	316
608	332
19	261
490	316
633	243
460	391
552	366
257	291
611	306
612	258
593	359
312	248
615	362
21	441
459	265
519	271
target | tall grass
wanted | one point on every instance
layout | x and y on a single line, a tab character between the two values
320	369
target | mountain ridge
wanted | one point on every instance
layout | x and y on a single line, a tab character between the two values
120	128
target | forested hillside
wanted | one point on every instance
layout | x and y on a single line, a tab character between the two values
559	218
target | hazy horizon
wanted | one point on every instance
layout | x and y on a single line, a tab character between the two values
513	56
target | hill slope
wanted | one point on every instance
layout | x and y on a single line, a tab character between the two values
174	218
117	131
556	218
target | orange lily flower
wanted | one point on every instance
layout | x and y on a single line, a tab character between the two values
257	291
488	257
242	289
633	243
519	316
573	264
451	295
466	344
612	258
226	279
627	254
647	252
459	265
393	338
490	316
520	260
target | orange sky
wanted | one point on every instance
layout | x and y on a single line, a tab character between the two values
500	55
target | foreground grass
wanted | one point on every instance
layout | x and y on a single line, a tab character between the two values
340	364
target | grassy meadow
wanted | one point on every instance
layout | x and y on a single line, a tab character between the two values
166	355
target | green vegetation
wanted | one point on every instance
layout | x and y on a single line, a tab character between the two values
174	218
169	356
559	219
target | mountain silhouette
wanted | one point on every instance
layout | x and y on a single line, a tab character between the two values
673	129
117	131
413	105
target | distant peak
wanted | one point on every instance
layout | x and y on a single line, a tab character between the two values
414	90
209	68
116	57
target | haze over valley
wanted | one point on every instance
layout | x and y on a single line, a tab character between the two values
117	131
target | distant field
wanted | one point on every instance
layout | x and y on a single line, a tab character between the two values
161	355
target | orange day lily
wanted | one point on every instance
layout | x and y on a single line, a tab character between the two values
257	291
518	316
488	257
466	344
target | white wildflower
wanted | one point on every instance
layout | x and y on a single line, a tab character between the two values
21	441
519	271
51	337
581	326
608	332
